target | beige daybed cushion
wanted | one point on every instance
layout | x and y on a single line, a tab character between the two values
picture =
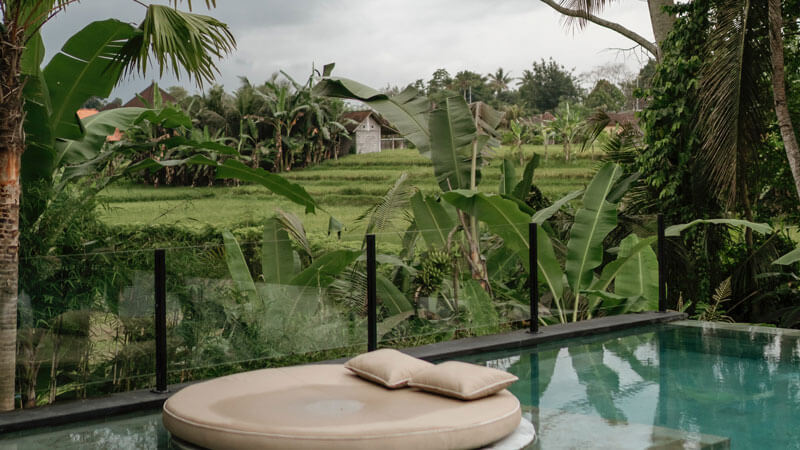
462	380
387	367
326	406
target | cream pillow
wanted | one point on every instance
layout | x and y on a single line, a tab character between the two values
388	367
462	380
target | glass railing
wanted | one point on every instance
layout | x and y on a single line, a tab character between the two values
87	322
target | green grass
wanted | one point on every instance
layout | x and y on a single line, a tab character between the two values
344	188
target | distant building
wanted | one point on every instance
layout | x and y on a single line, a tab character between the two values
136	102
148	95
623	118
372	132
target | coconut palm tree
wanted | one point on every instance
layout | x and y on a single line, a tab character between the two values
744	46
173	39
499	81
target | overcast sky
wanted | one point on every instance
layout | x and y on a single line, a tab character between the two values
382	42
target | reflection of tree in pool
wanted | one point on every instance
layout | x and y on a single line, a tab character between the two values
601	382
720	382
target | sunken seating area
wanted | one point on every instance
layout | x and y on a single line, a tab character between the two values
328	406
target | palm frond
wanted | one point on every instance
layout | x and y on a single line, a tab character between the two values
294	226
587	7
180	41
382	215
593	126
350	290
731	106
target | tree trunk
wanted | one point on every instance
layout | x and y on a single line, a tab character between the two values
779	91
661	22
12	140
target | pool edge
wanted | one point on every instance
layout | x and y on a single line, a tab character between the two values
126	402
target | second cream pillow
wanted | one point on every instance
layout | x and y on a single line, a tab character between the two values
462	380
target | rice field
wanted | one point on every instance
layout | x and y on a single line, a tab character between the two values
344	188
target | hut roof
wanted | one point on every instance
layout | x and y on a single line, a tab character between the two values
359	116
622	118
148	95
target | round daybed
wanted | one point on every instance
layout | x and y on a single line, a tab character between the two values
326	406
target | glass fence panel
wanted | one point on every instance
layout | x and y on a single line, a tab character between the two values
250	305
86	322
85	326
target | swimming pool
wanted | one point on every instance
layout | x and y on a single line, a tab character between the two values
683	384
680	385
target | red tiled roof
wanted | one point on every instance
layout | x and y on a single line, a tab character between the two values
148	95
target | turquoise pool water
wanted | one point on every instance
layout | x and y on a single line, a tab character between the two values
684	385
674	384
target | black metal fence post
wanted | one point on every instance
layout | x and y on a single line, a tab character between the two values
372	306
533	263
161	320
662	265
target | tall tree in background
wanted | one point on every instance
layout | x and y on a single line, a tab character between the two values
775	19
605	95
174	39
546	85
471	85
499	81
580	12
733	107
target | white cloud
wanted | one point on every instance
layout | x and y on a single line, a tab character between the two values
385	42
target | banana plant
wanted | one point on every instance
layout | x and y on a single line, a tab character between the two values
292	291
593	222
453	134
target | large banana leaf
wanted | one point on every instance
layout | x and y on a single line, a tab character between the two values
508	177
676	230
524	186
487	117
85	67
452	131
592	224
432	219
392	299
507	221
275	183
389	323
322	272
638	277
303	294
277	256
614	268
97	128
480	310
543	214
407	111
789	258
237	266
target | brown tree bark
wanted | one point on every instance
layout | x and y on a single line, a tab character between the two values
661	22
11	147
779	91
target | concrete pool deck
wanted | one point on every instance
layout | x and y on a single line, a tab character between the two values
126	402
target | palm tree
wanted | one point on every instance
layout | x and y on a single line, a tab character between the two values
174	39
733	106
775	20
499	81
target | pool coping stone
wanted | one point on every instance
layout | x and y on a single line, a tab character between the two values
139	400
